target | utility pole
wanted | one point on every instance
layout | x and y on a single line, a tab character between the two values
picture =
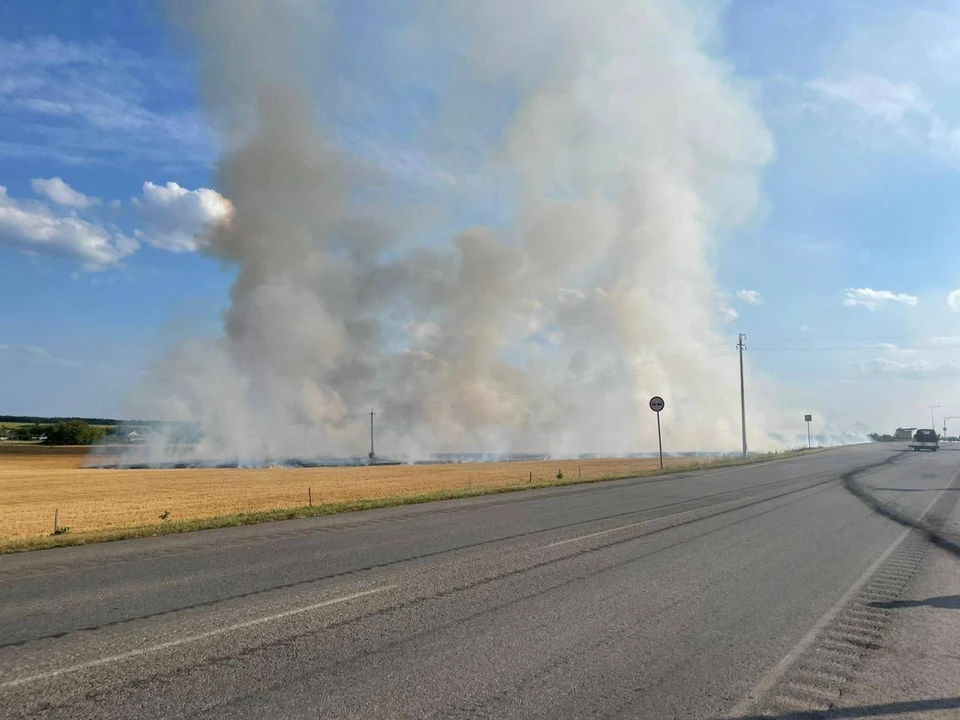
948	417
741	346
371	435
933	425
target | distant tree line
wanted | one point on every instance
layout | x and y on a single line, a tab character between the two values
40	420
102	422
110	422
26	433
79	431
74	432
67	432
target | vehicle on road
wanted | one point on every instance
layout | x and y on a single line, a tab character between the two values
926	440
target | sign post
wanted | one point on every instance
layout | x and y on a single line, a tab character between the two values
656	404
808	418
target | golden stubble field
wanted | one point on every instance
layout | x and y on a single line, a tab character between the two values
35	481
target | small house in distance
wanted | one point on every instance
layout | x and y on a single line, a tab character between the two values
904	433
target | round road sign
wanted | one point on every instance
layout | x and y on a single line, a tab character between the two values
656	403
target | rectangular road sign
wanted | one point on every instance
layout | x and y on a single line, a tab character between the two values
808	418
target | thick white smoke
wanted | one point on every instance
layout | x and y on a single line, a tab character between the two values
593	156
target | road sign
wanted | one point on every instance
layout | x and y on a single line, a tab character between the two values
808	418
656	404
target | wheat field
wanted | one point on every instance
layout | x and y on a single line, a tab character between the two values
36	481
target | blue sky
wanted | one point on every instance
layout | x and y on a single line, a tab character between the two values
854	243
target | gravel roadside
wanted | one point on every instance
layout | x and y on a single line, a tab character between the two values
916	672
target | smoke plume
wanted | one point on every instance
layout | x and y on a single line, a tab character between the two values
493	223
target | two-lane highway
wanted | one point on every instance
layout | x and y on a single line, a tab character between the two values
663	597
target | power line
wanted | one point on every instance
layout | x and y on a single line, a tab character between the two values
395	410
606	376
883	346
821	338
637	370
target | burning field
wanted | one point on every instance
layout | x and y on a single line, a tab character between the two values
36	481
511	255
451	249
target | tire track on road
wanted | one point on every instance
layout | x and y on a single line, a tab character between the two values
473	546
811	677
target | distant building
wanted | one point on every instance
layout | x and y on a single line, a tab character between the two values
904	433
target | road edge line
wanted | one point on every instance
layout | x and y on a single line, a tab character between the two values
775	673
190	638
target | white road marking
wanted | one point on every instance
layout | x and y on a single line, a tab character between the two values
625	527
191	638
779	670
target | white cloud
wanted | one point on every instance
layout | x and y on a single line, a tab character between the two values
174	218
913	369
750	297
953	301
876	96
83	102
901	106
873	299
34	352
806	328
947	341
728	313
896	350
171	218
34	227
61	193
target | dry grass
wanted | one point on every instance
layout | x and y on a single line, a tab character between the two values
34	481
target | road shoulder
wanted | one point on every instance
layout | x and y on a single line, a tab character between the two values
916	672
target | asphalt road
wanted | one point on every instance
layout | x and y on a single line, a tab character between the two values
655	598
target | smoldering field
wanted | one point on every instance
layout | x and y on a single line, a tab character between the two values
496	224
36	482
